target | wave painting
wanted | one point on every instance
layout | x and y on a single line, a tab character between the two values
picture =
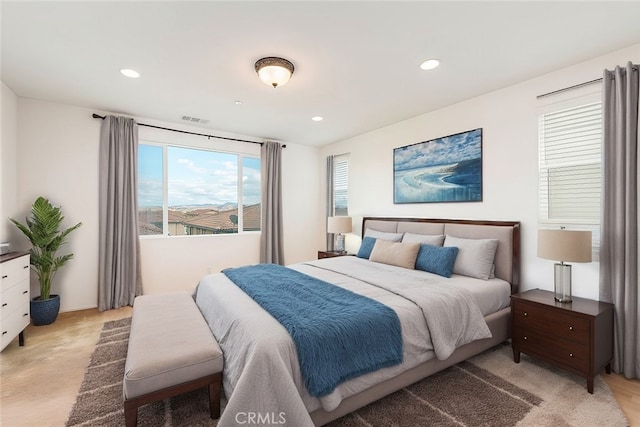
447	169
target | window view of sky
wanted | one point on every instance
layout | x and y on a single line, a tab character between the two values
195	177
149	175
251	188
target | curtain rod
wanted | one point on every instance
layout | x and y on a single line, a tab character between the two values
590	82
97	116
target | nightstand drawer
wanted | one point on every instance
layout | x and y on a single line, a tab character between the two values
528	317
323	254
332	254
568	353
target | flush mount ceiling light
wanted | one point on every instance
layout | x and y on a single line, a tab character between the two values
429	64
274	71
317	118
130	73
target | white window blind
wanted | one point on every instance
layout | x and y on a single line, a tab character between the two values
341	185
570	173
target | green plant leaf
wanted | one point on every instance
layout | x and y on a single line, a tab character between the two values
43	231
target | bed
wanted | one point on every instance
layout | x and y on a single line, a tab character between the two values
262	377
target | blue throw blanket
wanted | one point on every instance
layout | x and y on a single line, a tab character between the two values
338	334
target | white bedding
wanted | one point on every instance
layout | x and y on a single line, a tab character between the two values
491	295
261	373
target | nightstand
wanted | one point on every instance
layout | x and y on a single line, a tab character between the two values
331	254
575	336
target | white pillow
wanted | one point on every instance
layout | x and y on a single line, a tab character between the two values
395	253
393	237
475	256
429	239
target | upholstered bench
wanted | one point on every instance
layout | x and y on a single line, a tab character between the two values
171	351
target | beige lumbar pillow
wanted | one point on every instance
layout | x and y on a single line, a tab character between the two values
395	253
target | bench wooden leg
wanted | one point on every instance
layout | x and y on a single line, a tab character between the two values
130	413
214	396
213	383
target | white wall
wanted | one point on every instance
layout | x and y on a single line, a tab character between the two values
58	158
508	118
8	162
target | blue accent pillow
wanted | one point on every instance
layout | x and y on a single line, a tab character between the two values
366	247
437	260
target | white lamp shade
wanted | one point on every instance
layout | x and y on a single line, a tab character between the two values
565	245
339	224
274	75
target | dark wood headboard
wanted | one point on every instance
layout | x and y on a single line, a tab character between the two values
507	232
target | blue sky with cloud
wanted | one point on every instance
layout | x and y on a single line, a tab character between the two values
195	177
440	151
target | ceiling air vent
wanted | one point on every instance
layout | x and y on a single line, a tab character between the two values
195	120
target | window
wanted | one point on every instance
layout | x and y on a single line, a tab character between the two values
570	141
189	191
341	185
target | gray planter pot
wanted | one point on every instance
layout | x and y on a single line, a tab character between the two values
45	312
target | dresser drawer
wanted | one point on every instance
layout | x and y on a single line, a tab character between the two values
527	317
14	271
568	353
16	296
13	324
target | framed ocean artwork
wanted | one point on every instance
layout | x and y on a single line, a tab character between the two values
446	169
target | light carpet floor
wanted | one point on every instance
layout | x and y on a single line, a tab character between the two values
487	390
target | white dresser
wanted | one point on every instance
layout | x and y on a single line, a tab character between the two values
14	296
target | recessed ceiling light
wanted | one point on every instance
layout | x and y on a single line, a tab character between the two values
317	118
130	73
429	64
237	102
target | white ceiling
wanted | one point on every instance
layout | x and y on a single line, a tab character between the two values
357	63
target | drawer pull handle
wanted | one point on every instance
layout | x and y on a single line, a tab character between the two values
26	314
26	266
526	314
25	292
4	305
571	328
5	276
4	332
570	354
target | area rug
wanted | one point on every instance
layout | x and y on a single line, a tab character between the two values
487	390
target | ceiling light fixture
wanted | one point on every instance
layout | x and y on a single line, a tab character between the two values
429	64
317	118
130	73
274	71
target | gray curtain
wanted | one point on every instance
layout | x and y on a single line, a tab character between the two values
119	278
330	236
619	242
271	245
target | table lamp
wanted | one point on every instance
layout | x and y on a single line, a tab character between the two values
564	245
338	225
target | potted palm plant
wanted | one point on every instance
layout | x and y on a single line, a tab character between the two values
43	231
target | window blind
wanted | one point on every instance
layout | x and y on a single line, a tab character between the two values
570	174
341	185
